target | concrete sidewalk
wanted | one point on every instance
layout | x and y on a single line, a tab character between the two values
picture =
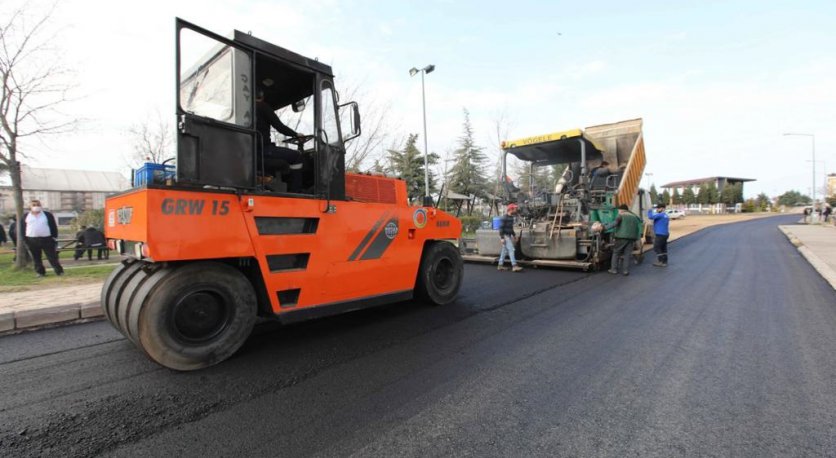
817	243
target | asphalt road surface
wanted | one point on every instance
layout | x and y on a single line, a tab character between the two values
727	352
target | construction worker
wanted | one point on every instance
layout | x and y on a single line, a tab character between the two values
601	171
660	229
628	230
507	238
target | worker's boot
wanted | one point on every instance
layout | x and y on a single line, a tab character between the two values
501	267
516	269
660	264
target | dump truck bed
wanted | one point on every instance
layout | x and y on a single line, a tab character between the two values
622	145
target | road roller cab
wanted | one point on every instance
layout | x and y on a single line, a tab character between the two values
223	239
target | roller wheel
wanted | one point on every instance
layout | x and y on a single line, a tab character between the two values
114	288
193	316
440	274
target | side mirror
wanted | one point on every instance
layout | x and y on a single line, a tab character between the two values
350	120
299	105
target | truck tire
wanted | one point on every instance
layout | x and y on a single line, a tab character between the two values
440	273
195	316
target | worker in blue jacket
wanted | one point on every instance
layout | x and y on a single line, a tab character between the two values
660	229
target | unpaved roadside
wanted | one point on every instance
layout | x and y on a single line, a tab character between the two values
692	223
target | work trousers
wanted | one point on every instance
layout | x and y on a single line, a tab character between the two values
47	246
101	252
507	247
660	246
277	157
623	249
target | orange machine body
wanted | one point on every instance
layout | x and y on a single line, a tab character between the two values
321	252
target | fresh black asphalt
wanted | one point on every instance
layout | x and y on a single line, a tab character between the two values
727	352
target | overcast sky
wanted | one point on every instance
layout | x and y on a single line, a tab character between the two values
716	82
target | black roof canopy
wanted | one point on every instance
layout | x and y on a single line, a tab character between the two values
278	52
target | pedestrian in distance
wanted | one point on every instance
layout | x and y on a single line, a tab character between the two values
827	211
627	230
79	244
40	233
508	238
94	238
662	231
13	235
2	235
13	231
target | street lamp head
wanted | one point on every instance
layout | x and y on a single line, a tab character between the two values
429	68
799	134
413	71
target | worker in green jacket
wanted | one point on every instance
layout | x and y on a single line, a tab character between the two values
628	230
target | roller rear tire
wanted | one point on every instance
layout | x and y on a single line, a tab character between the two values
196	316
440	273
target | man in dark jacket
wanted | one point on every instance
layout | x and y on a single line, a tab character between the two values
2	235
627	230
79	244
93	238
13	231
661	231
507	238
41	231
274	155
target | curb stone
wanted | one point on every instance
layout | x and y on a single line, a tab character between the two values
7	321
28	320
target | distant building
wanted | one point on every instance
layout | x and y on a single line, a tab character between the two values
719	182
65	193
831	184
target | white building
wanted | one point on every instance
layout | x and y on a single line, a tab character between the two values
63	192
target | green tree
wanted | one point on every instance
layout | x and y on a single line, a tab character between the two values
557	171
408	165
666	197
688	196
738	192
677	199
713	193
793	198
702	194
762	202
728	195
90	218
654	194
540	178
467	176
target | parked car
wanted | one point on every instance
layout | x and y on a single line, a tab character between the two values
675	214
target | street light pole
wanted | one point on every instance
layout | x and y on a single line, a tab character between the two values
813	191
423	71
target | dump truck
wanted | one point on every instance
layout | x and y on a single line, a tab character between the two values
217	241
556	226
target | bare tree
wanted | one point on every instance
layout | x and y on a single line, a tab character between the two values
152	140
376	128
33	84
502	126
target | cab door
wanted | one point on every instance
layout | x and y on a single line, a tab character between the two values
216	137
330	146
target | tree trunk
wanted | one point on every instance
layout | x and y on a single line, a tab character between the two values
17	190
